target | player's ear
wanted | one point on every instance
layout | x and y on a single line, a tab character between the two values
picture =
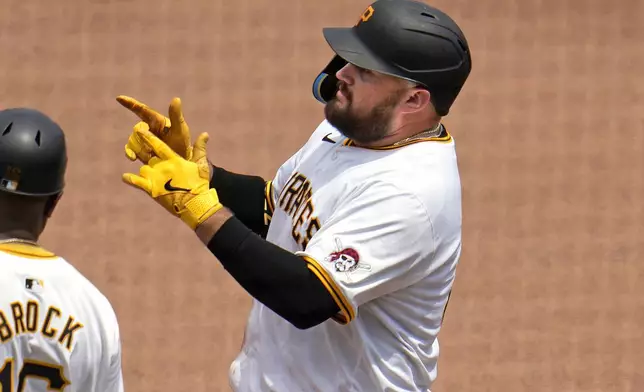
51	203
417	99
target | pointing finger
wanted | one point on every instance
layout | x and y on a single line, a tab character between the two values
155	120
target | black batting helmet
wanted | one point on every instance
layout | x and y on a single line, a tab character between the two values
33	153
403	38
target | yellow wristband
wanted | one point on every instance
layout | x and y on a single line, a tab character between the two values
200	208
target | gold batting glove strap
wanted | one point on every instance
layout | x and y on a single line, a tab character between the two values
200	208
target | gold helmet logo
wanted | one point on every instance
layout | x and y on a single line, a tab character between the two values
366	15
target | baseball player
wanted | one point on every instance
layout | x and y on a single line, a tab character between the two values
57	331
350	250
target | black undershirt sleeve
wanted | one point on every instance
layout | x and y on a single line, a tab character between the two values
274	276
244	195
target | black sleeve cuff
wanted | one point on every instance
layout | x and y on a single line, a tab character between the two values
274	276
244	195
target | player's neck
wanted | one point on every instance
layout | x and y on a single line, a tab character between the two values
21	221
12	227
405	132
19	234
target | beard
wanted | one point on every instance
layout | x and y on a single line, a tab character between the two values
361	128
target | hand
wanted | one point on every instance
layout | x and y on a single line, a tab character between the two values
173	131
181	186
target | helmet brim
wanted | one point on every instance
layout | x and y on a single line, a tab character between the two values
348	45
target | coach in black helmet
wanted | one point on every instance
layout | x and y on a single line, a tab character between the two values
60	319
33	160
350	250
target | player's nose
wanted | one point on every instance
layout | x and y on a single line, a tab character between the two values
346	74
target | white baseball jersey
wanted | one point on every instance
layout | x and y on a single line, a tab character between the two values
57	331
381	228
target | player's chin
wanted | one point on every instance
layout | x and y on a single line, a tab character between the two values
333	109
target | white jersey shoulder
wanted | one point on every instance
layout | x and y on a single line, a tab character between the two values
58	331
381	228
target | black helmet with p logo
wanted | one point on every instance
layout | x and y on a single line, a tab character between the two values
404	38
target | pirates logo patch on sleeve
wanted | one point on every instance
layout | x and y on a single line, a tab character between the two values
346	259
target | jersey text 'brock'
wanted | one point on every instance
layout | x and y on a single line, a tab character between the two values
24	318
295	200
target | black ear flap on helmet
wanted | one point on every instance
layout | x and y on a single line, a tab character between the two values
326	84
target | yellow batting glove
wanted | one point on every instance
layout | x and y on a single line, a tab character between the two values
173	131
135	148
181	186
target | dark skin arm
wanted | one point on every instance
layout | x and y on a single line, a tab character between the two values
207	230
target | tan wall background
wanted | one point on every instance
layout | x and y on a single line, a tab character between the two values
549	130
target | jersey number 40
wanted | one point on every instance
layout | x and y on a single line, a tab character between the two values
53	375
